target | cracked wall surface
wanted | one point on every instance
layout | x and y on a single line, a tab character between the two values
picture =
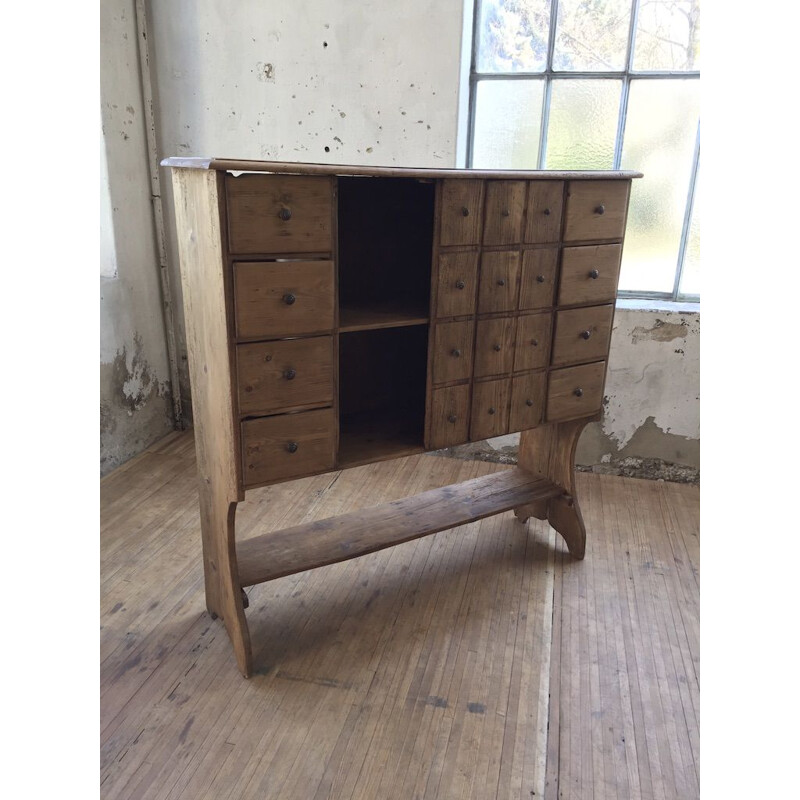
135	391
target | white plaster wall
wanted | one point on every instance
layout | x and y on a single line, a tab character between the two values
135	400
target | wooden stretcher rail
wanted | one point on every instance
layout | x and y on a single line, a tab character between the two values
327	541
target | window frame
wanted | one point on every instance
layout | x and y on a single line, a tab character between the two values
626	75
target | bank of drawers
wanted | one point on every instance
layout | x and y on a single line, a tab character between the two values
284	319
536	307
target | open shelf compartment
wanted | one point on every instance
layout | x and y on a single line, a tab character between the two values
382	376
384	253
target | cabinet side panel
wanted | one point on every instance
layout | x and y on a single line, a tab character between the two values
197	214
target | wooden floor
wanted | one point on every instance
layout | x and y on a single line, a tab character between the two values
481	662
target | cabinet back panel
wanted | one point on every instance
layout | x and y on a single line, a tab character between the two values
385	241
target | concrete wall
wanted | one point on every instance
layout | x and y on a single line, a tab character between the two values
376	83
135	401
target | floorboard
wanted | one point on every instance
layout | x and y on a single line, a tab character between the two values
480	662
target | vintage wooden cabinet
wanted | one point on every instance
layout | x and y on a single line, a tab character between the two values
342	315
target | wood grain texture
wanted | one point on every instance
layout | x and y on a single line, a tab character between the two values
490	408
275	299
335	539
539	276
287	445
494	346
499	283
481	662
575	391
209	345
549	451
461	212
544	212
296	168
504	211
532	342
582	334
282	375
596	210
279	214
457	284
449	424
589	274
452	351
527	400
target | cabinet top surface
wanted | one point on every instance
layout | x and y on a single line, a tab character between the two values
288	167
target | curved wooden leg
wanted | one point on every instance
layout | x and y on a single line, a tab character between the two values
224	596
549	451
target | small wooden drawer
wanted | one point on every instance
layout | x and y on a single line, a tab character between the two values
589	274
489	409
277	376
575	392
596	210
499	287
527	400
449	417
461	212
582	334
279	214
494	347
532	342
539	273
505	204
452	351
457	285
545	204
283	298
288	445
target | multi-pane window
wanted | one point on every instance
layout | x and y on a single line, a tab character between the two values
600	84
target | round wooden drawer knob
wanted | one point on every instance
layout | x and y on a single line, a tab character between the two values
290	374
285	214
578	392
594	274
455	352
492	410
546	212
501	282
535	342
600	210
289	299
505	212
460	284
586	334
497	348
529	402
464	211
540	279
452	419
291	447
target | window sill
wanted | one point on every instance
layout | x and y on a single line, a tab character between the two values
642	304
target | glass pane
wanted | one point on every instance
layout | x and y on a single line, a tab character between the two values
583	124
690	277
512	35
592	35
659	141
508	119
667	35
